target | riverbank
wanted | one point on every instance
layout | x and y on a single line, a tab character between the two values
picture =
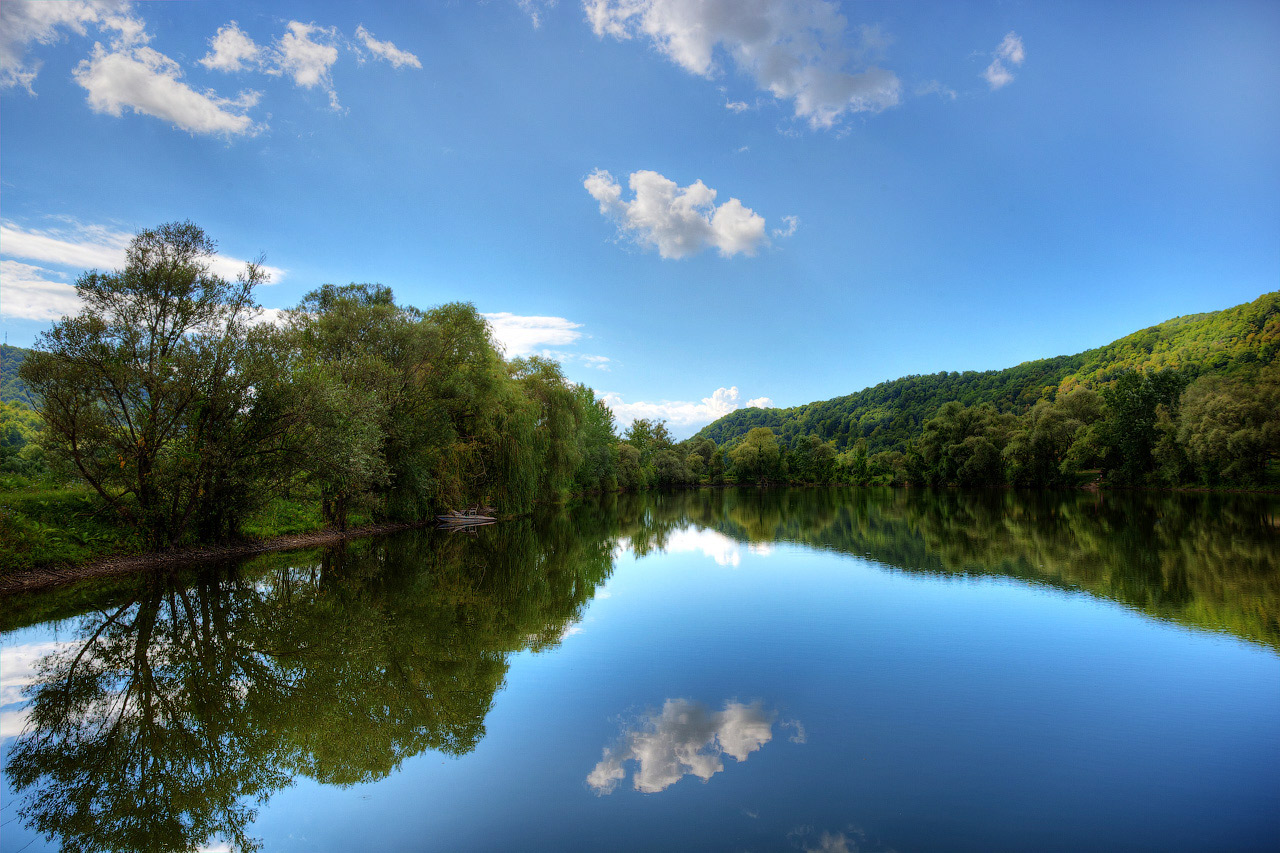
48	576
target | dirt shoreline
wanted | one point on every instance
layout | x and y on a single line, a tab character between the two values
44	577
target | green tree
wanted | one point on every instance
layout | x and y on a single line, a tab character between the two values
757	458
156	393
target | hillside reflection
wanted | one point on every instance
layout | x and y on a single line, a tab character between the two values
182	702
1203	560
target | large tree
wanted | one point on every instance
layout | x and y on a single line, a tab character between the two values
158	394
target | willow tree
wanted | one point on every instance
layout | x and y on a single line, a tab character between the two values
149	392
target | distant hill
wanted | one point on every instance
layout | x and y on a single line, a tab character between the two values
11	389
889	414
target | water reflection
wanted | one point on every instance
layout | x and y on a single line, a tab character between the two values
181	703
189	701
683	739
1205	560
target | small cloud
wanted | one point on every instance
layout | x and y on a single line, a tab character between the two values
386	50
306	53
760	403
737	106
1011	51
792	223
147	82
232	50
744	149
800	736
523	335
678	221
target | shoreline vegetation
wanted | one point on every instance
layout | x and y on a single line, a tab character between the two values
170	416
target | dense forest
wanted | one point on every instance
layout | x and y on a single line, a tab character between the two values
1194	400
181	417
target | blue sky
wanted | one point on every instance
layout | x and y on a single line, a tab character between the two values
695	205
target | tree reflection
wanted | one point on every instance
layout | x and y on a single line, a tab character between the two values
188	704
1206	560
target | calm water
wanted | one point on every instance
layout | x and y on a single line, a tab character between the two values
794	670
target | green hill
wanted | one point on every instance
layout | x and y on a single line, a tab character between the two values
11	389
889	414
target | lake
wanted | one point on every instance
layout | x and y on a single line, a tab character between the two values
738	669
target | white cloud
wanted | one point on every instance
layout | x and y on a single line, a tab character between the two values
386	50
23	23
306	53
792	222
1010	51
84	247
146	81
232	50
34	293
709	543
737	106
679	221
523	335
797	50
685	739
681	413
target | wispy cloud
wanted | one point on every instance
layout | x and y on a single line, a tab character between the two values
796	50
678	221
387	51
1010	51
524	335
791	223
33	293
80	247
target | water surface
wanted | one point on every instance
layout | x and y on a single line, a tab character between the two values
718	670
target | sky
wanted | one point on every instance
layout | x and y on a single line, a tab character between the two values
694	205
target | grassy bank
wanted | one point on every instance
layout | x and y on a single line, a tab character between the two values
44	522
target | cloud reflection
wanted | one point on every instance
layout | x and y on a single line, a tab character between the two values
684	739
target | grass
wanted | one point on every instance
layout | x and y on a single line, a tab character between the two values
45	522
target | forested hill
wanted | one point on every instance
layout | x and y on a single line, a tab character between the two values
11	388
890	413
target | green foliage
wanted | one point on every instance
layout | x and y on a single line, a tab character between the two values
1230	426
12	388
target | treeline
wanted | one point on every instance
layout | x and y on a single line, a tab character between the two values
1142	429
185	415
886	417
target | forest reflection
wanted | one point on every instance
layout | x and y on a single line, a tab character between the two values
184	701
